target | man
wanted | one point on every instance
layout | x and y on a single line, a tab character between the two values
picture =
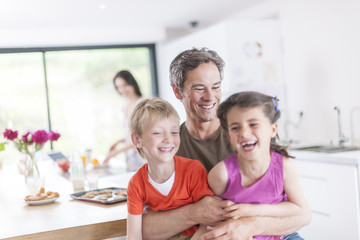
196	77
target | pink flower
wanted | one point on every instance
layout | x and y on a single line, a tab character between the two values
40	137
27	138
9	134
53	136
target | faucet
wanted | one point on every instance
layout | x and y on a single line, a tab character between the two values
342	138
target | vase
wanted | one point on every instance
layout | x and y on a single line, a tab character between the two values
31	168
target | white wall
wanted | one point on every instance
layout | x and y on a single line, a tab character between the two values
36	37
321	62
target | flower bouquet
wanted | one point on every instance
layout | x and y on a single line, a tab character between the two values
29	144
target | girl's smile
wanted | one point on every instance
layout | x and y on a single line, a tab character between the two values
250	131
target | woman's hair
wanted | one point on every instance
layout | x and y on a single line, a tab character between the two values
149	110
250	99
191	59
129	79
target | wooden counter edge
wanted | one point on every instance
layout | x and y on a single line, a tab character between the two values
94	231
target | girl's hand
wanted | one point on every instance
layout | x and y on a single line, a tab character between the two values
237	211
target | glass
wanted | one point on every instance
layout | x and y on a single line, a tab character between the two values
77	172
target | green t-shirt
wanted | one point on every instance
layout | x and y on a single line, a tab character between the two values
208	151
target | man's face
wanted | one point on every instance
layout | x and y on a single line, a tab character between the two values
201	93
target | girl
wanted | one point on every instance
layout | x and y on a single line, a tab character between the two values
261	177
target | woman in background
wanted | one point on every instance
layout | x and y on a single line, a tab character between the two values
126	86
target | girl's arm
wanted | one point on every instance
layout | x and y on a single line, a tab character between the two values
134	227
217	178
295	205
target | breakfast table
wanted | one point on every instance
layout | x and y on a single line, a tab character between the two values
65	218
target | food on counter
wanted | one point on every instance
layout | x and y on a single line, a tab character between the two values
95	162
121	192
64	164
41	195
105	194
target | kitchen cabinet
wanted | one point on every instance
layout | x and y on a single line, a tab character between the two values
331	187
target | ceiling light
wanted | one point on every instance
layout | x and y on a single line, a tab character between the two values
102	6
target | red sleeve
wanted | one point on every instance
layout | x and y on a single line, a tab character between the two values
135	201
199	184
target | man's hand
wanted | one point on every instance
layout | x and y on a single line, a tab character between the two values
240	229
210	210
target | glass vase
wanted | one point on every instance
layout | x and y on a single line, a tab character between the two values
31	168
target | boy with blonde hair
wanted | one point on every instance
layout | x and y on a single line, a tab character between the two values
166	181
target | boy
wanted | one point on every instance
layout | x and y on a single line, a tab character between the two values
166	181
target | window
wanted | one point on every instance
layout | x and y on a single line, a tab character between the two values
76	84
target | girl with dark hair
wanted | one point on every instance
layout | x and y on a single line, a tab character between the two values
126	86
261	177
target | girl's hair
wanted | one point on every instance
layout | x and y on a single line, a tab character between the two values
129	79
250	99
149	110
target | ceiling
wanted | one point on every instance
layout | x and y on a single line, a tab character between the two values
116	14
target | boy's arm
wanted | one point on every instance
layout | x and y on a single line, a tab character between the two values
134	227
295	205
164	224
201	230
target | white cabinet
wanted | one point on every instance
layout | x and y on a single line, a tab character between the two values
332	191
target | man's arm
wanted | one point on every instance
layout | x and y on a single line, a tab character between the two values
165	224
243	228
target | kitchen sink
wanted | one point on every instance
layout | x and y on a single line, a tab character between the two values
327	148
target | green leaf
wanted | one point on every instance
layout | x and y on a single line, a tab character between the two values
2	146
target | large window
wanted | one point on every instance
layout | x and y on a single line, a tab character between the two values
71	91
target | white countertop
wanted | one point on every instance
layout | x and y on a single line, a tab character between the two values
347	158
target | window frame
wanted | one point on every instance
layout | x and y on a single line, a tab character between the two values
43	50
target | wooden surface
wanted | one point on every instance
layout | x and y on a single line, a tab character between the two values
66	218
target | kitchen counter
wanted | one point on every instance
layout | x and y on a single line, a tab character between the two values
66	218
330	183
343	158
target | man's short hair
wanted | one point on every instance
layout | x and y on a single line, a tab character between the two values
191	59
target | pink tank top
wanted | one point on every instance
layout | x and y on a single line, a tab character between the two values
269	189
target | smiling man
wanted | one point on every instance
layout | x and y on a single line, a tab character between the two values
196	77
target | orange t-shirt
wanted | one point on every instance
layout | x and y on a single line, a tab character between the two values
190	185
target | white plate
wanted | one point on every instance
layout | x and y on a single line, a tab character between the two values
41	202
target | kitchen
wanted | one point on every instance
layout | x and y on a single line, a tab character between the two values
315	63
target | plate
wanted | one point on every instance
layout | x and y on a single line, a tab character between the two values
41	202
113	199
